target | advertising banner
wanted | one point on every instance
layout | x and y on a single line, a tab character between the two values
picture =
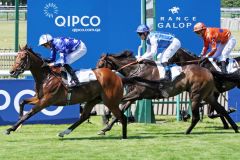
105	26
179	17
13	91
234	102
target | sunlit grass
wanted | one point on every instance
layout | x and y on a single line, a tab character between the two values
165	140
7	34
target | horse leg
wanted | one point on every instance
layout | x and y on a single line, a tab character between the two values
32	101
195	115
212	115
84	116
219	108
119	115
29	114
109	126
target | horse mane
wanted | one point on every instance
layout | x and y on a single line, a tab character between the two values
31	50
123	54
189	52
237	58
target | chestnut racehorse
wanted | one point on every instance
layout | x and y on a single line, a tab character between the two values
196	80
50	90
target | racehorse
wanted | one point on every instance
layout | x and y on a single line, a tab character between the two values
224	82
50	90
198	81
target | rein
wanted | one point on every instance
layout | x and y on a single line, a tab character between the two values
53	73
188	62
129	64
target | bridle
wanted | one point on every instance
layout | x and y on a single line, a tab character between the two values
106	62
22	65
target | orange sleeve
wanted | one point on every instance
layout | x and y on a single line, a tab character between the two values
213	46
205	47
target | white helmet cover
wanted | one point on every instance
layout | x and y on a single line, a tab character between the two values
45	38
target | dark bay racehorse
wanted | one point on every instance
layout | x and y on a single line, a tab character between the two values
198	81
50	90
224	82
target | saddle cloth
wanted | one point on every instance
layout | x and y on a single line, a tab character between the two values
231	67
175	70
83	75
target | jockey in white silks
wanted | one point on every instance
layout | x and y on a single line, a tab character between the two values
164	45
69	49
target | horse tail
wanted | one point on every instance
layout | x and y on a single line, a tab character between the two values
232	77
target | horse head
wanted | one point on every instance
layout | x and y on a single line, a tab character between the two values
115	61
23	61
105	61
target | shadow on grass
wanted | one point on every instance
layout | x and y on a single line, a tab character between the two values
106	138
182	134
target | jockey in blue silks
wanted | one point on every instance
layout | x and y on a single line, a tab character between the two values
69	49
163	44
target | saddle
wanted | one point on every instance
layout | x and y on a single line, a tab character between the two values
175	70
83	75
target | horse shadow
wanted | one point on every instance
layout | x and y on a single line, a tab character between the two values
97	138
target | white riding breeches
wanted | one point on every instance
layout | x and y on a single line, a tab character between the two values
75	55
170	51
223	50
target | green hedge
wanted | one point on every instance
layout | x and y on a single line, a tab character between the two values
230	3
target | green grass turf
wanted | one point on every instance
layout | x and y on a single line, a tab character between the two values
161	141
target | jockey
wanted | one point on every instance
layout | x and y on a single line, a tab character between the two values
70	50
220	40
163	44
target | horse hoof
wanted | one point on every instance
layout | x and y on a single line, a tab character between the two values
236	131
61	135
101	133
7	132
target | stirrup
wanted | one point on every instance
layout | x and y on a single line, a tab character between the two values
74	83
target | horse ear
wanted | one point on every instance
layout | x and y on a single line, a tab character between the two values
103	55
19	47
26	46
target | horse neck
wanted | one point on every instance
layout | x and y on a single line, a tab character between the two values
184	56
37	71
120	63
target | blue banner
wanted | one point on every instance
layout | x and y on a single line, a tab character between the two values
103	25
234	102
180	16
13	91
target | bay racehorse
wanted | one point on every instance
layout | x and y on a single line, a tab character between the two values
224	82
50	90
196	80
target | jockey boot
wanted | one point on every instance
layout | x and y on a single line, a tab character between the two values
73	75
223	67
167	71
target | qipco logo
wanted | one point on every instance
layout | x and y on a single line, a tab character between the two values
16	101
72	21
